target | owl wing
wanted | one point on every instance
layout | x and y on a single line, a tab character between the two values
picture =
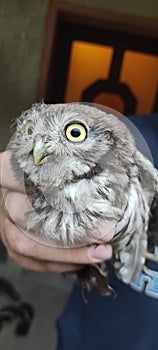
130	240
149	180
148	173
138	231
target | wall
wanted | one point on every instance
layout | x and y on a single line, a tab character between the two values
148	8
21	40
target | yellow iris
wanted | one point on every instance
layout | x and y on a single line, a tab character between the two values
76	132
28	130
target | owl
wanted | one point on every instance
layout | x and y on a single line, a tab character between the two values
81	168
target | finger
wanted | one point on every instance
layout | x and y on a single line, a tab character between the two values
7	178
42	266
16	205
23	245
38	265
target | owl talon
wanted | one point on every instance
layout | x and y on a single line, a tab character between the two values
94	275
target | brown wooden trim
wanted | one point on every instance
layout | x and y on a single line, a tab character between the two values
105	19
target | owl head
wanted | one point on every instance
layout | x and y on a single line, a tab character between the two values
59	143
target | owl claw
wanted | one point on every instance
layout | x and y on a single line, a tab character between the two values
94	275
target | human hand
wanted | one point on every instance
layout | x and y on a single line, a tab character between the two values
34	255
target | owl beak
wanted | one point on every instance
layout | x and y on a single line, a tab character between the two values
39	152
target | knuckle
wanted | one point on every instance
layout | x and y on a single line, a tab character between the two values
13	203
8	206
8	199
3	212
19	246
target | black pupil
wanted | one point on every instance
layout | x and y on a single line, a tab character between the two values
75	132
30	130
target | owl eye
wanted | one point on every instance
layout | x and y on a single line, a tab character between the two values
29	127
76	132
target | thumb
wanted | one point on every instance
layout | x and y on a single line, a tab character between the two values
7	177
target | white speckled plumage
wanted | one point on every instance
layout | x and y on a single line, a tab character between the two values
81	185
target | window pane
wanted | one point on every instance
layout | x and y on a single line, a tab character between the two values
88	63
140	73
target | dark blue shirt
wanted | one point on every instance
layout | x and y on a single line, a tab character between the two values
128	321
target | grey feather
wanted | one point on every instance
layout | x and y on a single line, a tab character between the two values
79	185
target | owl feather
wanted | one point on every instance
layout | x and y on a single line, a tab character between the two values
81	168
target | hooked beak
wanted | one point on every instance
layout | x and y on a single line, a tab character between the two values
39	152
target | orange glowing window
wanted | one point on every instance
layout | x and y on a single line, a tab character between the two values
140	72
90	63
95	55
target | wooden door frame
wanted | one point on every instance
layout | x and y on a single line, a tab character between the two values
144	27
